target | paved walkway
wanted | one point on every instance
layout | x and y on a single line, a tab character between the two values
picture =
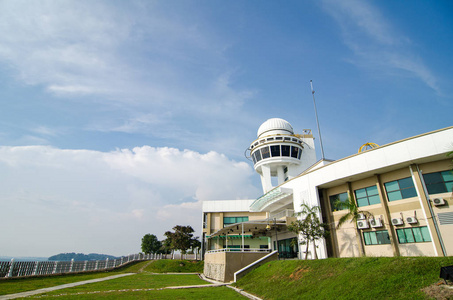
59	287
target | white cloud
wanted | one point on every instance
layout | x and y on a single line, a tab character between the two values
88	201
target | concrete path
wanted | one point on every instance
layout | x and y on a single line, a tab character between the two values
59	287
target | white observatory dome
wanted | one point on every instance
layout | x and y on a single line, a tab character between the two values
275	126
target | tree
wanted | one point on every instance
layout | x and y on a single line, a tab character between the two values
181	239
310	228
354	214
150	244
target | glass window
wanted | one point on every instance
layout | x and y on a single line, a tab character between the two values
265	152
257	155
336	200
413	235
439	182
233	220
367	196
285	150
400	189
275	150
294	151
376	237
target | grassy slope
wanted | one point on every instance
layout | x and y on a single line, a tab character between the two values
175	266
345	278
16	285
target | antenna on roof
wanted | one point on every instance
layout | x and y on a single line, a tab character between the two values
317	122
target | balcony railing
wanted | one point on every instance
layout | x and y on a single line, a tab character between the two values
238	250
282	214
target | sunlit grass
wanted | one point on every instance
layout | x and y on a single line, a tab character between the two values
210	293
136	281
17	285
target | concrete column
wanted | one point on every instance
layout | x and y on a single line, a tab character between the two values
72	265
280	174
55	268
391	231
427	210
266	181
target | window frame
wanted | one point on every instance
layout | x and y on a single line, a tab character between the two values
368	196
404	238
445	183
236	219
405	192
339	196
378	240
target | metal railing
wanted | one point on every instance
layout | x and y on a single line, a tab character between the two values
282	214
15	268
238	250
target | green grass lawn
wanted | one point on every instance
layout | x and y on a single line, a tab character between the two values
17	285
210	293
175	266
136	281
345	278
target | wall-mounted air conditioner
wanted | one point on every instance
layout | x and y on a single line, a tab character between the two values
412	220
397	221
438	201
362	224
361	217
375	223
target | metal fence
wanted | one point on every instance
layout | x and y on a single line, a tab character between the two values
35	268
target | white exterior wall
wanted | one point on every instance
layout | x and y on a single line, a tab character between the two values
386	158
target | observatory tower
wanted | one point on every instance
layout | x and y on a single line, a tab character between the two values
279	155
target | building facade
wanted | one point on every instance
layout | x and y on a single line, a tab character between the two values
404	189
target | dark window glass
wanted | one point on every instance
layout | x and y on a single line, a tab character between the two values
257	155
439	182
275	150
400	189
294	151
285	150
376	237
337	200
265	152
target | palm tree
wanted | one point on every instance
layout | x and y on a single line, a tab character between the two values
354	213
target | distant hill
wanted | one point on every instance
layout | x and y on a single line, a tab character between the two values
22	258
80	256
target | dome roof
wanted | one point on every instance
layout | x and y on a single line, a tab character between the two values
275	126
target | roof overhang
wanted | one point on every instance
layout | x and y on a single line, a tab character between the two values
277	197
254	228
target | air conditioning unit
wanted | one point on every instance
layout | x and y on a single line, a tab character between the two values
362	224
397	221
438	201
375	223
361	217
411	220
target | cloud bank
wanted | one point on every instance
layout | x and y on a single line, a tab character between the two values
91	201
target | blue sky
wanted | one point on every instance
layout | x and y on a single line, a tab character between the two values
118	118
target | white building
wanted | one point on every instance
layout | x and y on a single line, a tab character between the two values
407	187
